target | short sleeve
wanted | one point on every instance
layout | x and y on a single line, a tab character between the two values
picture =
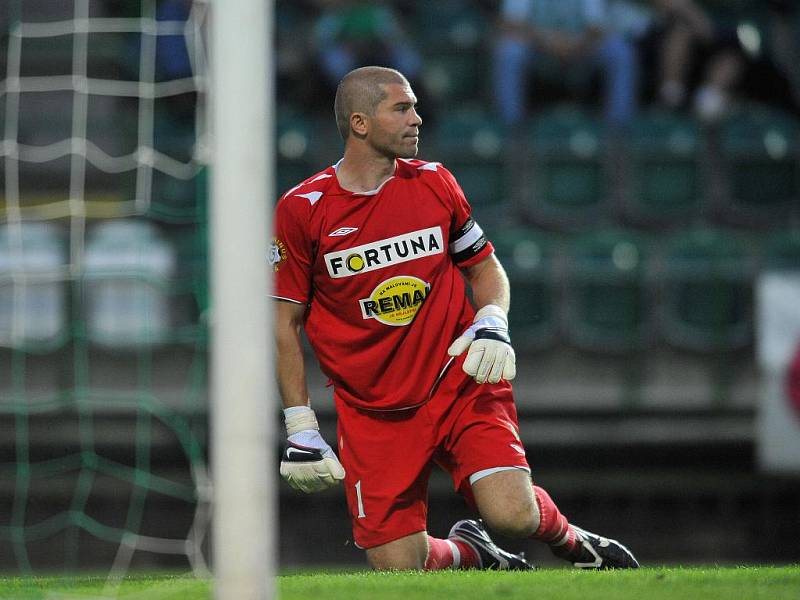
291	252
468	244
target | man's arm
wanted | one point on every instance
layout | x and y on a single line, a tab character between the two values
308	464
490	357
489	283
291	368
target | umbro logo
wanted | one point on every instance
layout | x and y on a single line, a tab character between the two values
342	231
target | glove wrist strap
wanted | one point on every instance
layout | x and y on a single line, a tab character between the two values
491	310
299	418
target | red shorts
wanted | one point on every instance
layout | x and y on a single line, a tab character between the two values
388	456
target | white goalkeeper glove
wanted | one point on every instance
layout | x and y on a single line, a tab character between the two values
308	462
490	357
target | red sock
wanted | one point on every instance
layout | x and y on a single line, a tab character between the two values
450	554
554	529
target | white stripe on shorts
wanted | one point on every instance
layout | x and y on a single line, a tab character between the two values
478	475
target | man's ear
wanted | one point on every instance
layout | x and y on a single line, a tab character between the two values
359	124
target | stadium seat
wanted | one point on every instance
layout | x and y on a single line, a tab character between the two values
293	150
470	144
760	153
706	300
782	251
569	183
608	302
174	199
33	294
664	184
129	269
453	75
451	35
529	258
447	24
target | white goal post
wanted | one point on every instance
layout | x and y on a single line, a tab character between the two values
243	392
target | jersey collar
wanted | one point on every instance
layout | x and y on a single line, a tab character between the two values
368	193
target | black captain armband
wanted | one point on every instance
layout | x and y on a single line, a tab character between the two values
467	241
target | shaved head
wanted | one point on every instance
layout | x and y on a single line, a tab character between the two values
361	90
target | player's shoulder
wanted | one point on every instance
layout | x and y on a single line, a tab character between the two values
311	190
434	174
414	167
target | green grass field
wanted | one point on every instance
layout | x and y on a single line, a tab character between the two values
708	583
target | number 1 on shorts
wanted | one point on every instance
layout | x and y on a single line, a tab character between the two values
361	514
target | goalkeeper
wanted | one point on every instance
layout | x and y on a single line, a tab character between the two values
368	258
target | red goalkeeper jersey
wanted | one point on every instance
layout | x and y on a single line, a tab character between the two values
379	274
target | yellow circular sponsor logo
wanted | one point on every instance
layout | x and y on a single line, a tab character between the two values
396	300
355	262
277	254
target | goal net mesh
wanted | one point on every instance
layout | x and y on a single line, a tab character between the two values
103	286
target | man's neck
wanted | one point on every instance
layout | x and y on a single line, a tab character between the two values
361	172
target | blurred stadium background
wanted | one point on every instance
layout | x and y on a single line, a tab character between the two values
656	307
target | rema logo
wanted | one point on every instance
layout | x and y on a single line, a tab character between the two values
395	301
383	253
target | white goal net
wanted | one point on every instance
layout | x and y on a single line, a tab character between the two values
103	286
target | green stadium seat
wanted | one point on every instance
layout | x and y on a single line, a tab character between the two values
664	184
470	144
172	137
608	302
782	251
760	152
447	24
568	170
294	157
529	256
451	35
707	297
174	200
454	75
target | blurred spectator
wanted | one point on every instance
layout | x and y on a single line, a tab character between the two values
175	127
172	56
784	24
706	63
697	59
561	37
355	33
773	69
294	56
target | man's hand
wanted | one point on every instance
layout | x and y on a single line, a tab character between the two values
308	463
490	357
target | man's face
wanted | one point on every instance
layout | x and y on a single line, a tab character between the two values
394	130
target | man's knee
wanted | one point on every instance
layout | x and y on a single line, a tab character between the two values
518	519
507	503
406	553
